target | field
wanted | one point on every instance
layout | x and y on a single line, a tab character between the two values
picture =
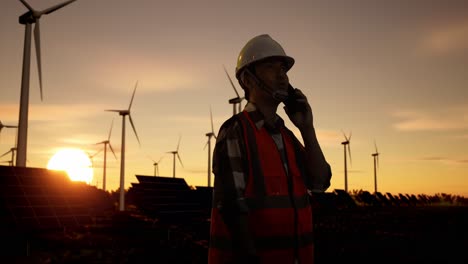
362	234
167	221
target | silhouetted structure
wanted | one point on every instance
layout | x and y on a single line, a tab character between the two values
169	200
37	200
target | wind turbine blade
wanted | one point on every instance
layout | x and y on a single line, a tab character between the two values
159	160
6	153
37	41
58	6
97	152
27	5
350	133
211	117
149	157
229	77
349	152
344	135
113	110
179	159
377	161
376	151
178	143
206	144
134	130
133	95
110	131
110	146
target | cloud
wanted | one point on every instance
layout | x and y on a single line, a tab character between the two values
354	171
448	39
50	112
444	160
325	137
448	119
329	138
154	72
9	114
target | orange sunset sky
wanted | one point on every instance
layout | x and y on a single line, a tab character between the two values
390	71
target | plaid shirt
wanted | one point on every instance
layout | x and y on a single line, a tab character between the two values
230	164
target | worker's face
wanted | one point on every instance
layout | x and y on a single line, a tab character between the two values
273	72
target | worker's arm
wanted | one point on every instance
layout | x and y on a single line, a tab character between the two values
316	166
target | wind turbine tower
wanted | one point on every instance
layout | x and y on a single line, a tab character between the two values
346	144
376	165
106	142
124	113
236	101
175	153
27	19
208	143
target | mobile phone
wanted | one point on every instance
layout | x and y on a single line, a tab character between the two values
292	103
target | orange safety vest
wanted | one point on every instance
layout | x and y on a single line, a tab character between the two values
280	214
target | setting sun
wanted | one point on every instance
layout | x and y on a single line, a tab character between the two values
75	162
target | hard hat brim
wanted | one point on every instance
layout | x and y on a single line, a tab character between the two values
289	61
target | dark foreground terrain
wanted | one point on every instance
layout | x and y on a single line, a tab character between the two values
432	234
45	218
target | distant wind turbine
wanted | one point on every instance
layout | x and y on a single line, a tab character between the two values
345	143
124	113
236	100
208	143
91	156
27	19
175	153
106	142
6	126
156	164
12	151
376	165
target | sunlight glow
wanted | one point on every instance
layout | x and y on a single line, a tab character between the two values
75	162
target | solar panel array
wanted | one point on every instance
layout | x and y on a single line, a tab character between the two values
34	199
169	199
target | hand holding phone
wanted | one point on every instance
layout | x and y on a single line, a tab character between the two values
292	102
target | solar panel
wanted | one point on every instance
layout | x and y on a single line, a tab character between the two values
168	199
33	199
344	199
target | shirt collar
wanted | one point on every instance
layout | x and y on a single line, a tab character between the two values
259	119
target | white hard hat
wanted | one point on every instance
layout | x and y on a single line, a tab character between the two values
259	48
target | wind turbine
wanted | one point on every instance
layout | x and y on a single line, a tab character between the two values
106	142
6	126
376	165
208	143
155	164
236	100
12	151
27	19
91	156
124	113
346	143
175	153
